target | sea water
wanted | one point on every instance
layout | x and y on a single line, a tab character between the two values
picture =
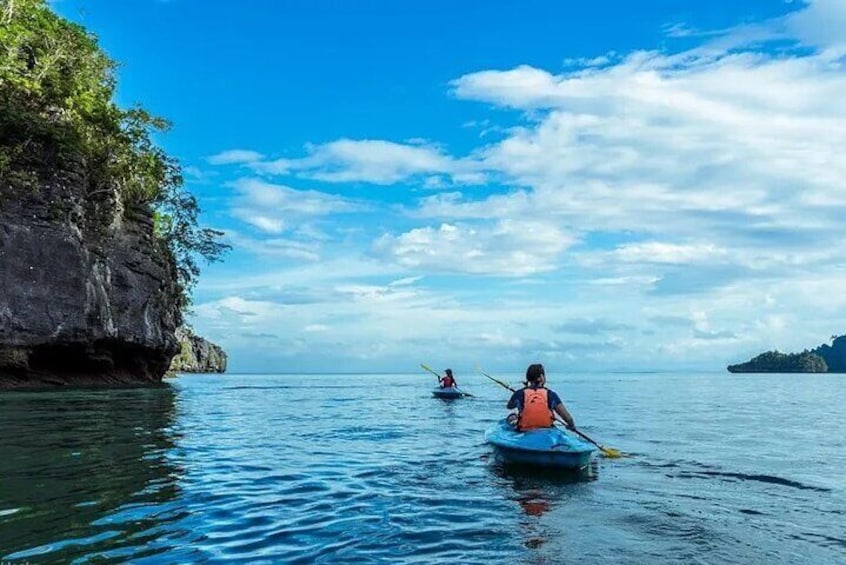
373	469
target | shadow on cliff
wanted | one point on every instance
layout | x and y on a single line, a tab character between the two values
86	473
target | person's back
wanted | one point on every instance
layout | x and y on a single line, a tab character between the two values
536	412
447	381
536	405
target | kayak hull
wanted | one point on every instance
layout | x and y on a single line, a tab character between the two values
447	392
546	447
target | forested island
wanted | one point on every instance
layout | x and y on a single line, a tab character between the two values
99	240
823	359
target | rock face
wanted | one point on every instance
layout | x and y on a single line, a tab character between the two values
197	355
86	295
834	354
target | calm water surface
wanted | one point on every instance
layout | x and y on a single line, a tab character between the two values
372	469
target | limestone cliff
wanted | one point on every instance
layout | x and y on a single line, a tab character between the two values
197	355
98	236
86	295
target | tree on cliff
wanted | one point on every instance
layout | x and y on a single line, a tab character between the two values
57	112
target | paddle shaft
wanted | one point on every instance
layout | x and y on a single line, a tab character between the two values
426	367
608	451
497	381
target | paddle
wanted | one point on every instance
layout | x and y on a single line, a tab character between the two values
497	381
609	452
439	378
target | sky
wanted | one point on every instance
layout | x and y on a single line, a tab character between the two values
606	185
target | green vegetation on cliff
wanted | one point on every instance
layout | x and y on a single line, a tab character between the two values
57	113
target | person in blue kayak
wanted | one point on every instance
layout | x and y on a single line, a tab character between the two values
447	380
536	405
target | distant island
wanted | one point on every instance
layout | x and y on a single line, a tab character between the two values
197	355
823	359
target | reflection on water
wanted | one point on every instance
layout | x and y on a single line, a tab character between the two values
528	477
537	491
84	467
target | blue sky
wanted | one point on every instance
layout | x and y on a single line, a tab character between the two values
604	185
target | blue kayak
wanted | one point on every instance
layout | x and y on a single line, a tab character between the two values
547	447
447	392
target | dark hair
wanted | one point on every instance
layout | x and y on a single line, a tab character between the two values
534	373
448	372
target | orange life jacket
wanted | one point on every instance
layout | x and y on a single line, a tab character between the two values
536	412
447	382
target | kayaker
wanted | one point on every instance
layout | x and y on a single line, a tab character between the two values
535	403
447	380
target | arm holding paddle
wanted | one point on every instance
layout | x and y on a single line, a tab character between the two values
515	401
562	412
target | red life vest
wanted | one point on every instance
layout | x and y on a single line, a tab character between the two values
447	382
536	412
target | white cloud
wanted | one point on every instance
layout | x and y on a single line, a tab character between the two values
658	252
821	24
405	281
264	223
507	248
235	306
271	207
372	161
285	247
234	157
740	146
290	200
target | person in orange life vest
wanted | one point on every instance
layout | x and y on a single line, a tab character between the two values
535	403
447	380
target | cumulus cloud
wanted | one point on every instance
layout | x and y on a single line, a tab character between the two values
236	306
290	200
821	24
716	158
658	252
271	207
373	161
404	281
509	248
590	326
235	157
277	247
724	334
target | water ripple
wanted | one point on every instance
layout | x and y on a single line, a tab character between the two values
267	471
